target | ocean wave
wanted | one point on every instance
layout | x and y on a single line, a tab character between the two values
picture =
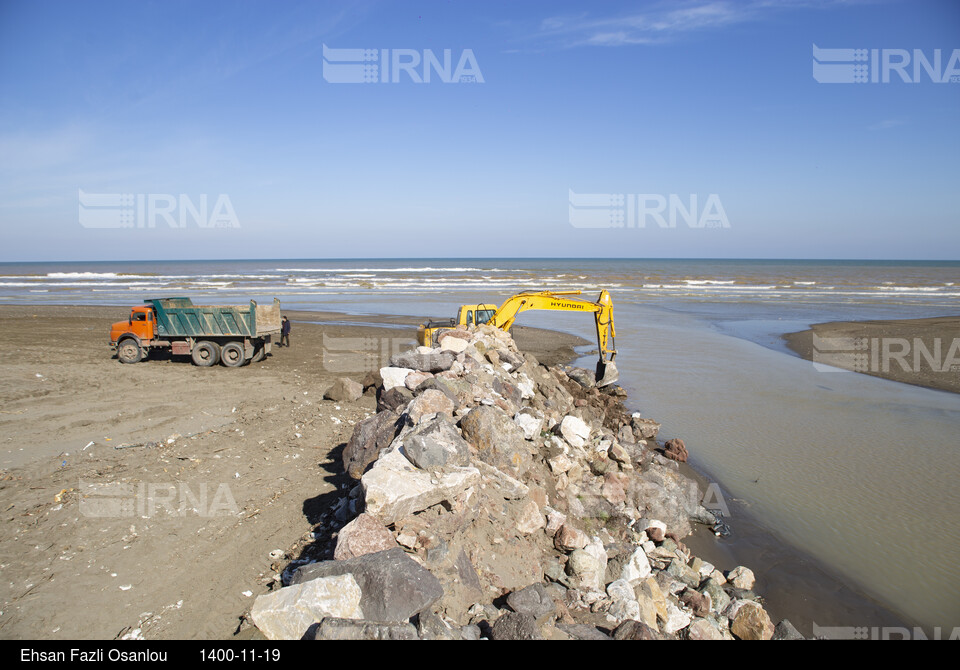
910	289
389	270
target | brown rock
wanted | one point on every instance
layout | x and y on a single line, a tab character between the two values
698	602
363	535
415	378
369	437
635	630
752	623
676	450
569	538
613	490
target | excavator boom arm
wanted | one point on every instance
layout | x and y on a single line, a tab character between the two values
557	301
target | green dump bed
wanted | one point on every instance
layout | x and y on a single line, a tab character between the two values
179	317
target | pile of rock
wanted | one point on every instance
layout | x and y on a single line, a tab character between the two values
503	499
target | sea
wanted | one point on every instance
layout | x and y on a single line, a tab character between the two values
855	474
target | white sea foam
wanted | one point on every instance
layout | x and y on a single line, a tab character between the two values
388	270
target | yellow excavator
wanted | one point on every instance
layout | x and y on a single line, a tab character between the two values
503	317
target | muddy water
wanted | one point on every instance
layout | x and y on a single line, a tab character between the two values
858	472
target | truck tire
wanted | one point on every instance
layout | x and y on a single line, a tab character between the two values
129	351
206	353
259	353
231	355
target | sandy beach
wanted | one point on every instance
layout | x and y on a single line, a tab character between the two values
252	453
923	352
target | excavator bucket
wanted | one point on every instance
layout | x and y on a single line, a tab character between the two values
606	373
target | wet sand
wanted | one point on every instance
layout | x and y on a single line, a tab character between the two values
922	352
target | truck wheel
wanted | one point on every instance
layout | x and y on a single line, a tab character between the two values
129	352
231	355
259	353
206	353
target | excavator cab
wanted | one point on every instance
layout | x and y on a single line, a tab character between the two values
475	315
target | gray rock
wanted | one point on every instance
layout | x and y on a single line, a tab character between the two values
394	399
498	440
742	578
445	386
585	378
436	361
394	376
436	443
431	627
586	570
515	626
684	573
718	596
582	631
369	438
555	397
394	587
394	487
530	518
530	422
507	486
287	613
344	390
574	430
635	630
470	632
645	429
534	601
508	390
704	629
349	629
786	631
637	567
514	360
430	402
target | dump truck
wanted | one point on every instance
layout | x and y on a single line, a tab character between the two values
502	317
228	334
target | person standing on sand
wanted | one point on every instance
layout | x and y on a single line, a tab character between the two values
285	332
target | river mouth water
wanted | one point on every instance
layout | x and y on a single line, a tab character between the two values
856	472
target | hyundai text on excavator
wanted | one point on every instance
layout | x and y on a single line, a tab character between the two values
503	317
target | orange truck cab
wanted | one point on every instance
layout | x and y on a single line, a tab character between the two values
141	323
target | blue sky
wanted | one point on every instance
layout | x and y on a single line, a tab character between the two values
177	101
